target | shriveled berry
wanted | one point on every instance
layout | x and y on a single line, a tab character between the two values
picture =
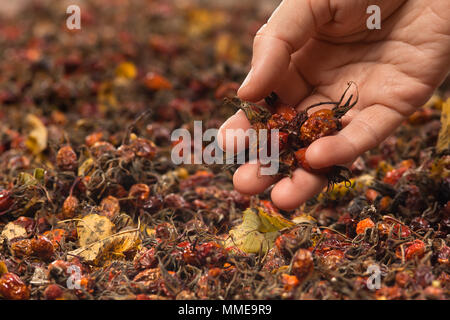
140	192
13	288
319	124
25	222
146	259
166	231
66	159
110	207
175	201
289	282
42	247
443	255
21	248
53	292
363	225
93	138
332	258
413	249
69	207
6	200
302	264
143	148
102	147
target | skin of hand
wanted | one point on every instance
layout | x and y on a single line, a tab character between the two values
308	51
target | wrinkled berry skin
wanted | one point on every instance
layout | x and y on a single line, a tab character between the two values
319	124
13	288
6	201
42	247
66	159
302	264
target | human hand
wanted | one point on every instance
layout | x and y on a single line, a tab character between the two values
309	50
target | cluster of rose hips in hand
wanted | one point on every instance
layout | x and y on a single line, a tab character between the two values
297	130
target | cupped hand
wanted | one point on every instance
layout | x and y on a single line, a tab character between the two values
308	51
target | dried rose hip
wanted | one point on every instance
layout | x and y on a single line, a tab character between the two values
13	288
109	207
6	200
53	292
319	124
139	192
363	225
302	264
42	247
297	130
66	159
69	207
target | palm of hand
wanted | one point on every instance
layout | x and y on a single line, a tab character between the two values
396	69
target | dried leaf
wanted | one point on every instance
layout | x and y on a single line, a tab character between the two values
443	143
92	228
110	248
11	231
258	231
37	138
126	70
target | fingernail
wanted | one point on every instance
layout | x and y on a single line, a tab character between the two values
246	80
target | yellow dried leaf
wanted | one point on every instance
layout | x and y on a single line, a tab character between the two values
227	48
126	70
86	168
3	268
92	228
11	231
304	218
37	137
443	143
257	232
201	21
110	248
272	221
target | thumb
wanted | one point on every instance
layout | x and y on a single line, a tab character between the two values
287	30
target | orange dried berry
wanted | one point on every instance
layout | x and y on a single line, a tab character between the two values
110	207
101	147
42	247
13	288
93	138
66	159
384	203
290	282
371	194
6	200
55	236
143	148
214	272
21	248
413	249
319	124
443	255
363	225
287	112
53	292
140	192
333	258
155	81
302	264
69	207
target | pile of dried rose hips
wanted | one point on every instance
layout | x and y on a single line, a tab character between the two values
91	207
